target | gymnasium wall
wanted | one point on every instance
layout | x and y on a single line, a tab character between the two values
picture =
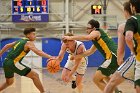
52	46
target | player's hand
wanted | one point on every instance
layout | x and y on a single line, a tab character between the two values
78	56
51	58
66	38
72	57
67	79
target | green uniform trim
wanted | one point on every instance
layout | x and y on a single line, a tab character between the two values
111	68
12	63
105	45
108	48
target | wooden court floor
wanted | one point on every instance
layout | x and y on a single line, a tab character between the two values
54	84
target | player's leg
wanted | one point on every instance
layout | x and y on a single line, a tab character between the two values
104	71
137	76
9	74
35	77
73	81
98	79
66	70
23	70
80	75
125	71
79	83
101	75
115	80
65	73
137	89
9	81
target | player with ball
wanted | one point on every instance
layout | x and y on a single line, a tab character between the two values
79	66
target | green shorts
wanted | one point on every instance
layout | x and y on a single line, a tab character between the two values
108	67
10	68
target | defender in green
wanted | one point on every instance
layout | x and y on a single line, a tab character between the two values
107	48
12	63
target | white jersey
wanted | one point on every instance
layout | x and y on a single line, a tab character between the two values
70	63
78	43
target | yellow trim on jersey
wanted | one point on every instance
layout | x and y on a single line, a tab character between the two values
22	54
16	45
105	48
137	38
24	38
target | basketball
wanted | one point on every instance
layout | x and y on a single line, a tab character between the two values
53	66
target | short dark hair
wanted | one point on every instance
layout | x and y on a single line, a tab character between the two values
94	23
28	30
136	4
127	8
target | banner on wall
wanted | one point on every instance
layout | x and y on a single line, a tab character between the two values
30	11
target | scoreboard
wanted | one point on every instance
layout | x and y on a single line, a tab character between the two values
30	11
96	9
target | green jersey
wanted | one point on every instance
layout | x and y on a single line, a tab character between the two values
17	53
105	45
133	24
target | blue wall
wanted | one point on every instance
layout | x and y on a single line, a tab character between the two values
52	46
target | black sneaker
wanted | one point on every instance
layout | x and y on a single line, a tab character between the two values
73	84
118	91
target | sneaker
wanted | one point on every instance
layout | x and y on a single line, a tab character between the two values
73	84
118	91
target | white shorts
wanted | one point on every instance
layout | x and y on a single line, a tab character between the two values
81	68
127	69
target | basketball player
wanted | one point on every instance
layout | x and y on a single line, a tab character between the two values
126	70
12	63
107	48
132	30
79	65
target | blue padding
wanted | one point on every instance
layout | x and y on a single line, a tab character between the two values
52	46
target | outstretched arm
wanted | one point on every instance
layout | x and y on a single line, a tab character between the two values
6	47
32	47
121	44
91	36
61	53
87	52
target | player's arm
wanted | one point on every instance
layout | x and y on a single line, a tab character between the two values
61	53
91	36
87	52
80	50
30	45
129	40
121	44
6	47
129	31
